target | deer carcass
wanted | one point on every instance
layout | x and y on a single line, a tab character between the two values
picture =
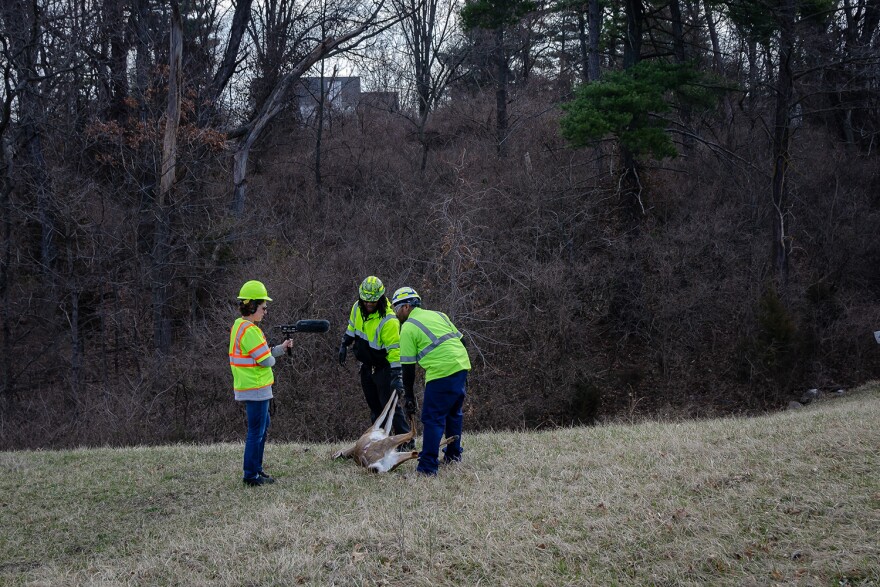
375	450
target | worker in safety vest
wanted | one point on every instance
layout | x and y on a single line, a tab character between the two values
375	332
430	339
251	361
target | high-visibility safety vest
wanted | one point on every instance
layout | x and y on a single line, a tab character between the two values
247	347
430	339
380	331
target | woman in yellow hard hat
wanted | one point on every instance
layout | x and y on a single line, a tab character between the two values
251	361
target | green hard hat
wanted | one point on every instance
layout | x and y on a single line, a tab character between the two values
371	289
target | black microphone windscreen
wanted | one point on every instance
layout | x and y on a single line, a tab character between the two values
312	325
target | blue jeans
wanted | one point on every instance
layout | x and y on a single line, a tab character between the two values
441	413
258	425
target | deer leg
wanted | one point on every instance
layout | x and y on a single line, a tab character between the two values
378	423
345	454
392	404
391	461
399	439
448	441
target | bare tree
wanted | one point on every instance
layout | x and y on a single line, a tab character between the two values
161	280
351	25
428	29
10	89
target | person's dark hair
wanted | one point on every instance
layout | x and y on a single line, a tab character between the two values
381	306
248	307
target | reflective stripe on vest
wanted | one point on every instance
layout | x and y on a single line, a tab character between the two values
373	343
239	359
247	373
435	340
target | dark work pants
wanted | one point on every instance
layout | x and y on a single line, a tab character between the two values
442	414
377	391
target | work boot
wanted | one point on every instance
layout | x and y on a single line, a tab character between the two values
256	481
266	478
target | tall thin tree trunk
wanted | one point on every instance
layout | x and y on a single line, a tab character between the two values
75	354
754	77
45	199
164	203
583	45
115	30
781	248
680	52
142	57
713	36
678	47
500	92
632	41
632	44
594	18
319	126
717	65
6	378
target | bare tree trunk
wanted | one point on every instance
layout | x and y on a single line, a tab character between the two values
680	53
583	45
713	36
6	376
526	54
781	248
236	34
45	197
319	129
754	77
142	57
595	23
717	65
630	186
146	172
500	92
678	47
31	108
75	354
870	24
164	204
632	41
114	28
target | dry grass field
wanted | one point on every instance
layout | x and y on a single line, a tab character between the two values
790	498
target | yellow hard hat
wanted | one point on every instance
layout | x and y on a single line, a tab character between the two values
254	290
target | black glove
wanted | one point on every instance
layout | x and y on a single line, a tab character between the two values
343	352
409	408
397	380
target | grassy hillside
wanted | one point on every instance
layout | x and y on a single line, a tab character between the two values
791	498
